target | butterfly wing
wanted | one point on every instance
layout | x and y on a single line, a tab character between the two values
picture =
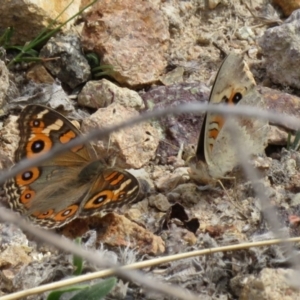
41	128
234	85
31	192
111	187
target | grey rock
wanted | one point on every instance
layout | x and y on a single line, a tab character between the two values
281	49
70	65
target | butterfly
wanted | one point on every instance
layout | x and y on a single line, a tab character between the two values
216	155
73	184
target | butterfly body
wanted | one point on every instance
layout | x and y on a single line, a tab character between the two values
70	185
216	153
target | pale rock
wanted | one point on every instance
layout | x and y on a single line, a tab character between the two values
269	284
142	206
133	214
252	52
131	147
132	36
281	48
101	93
10	135
37	273
277	135
39	74
295	201
4	83
261	163
30	17
173	77
168	181
159	201
119	231
245	33
212	4
14	256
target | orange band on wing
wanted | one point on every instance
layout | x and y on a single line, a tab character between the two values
28	176
44	215
117	180
110	176
114	178
215	125
66	213
67	137
44	144
213	133
27	196
99	200
36	126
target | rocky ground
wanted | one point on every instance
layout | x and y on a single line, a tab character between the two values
163	53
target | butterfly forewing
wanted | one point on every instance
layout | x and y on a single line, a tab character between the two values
41	128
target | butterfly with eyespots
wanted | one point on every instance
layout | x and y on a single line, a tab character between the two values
73	184
216	155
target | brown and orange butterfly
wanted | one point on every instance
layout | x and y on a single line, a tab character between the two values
70	185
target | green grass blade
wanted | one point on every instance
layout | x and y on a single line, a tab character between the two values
77	260
102	68
92	59
288	142
6	37
96	291
55	295
296	141
100	74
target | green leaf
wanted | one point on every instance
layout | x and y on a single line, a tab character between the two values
55	295
29	59
92	59
96	291
77	261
